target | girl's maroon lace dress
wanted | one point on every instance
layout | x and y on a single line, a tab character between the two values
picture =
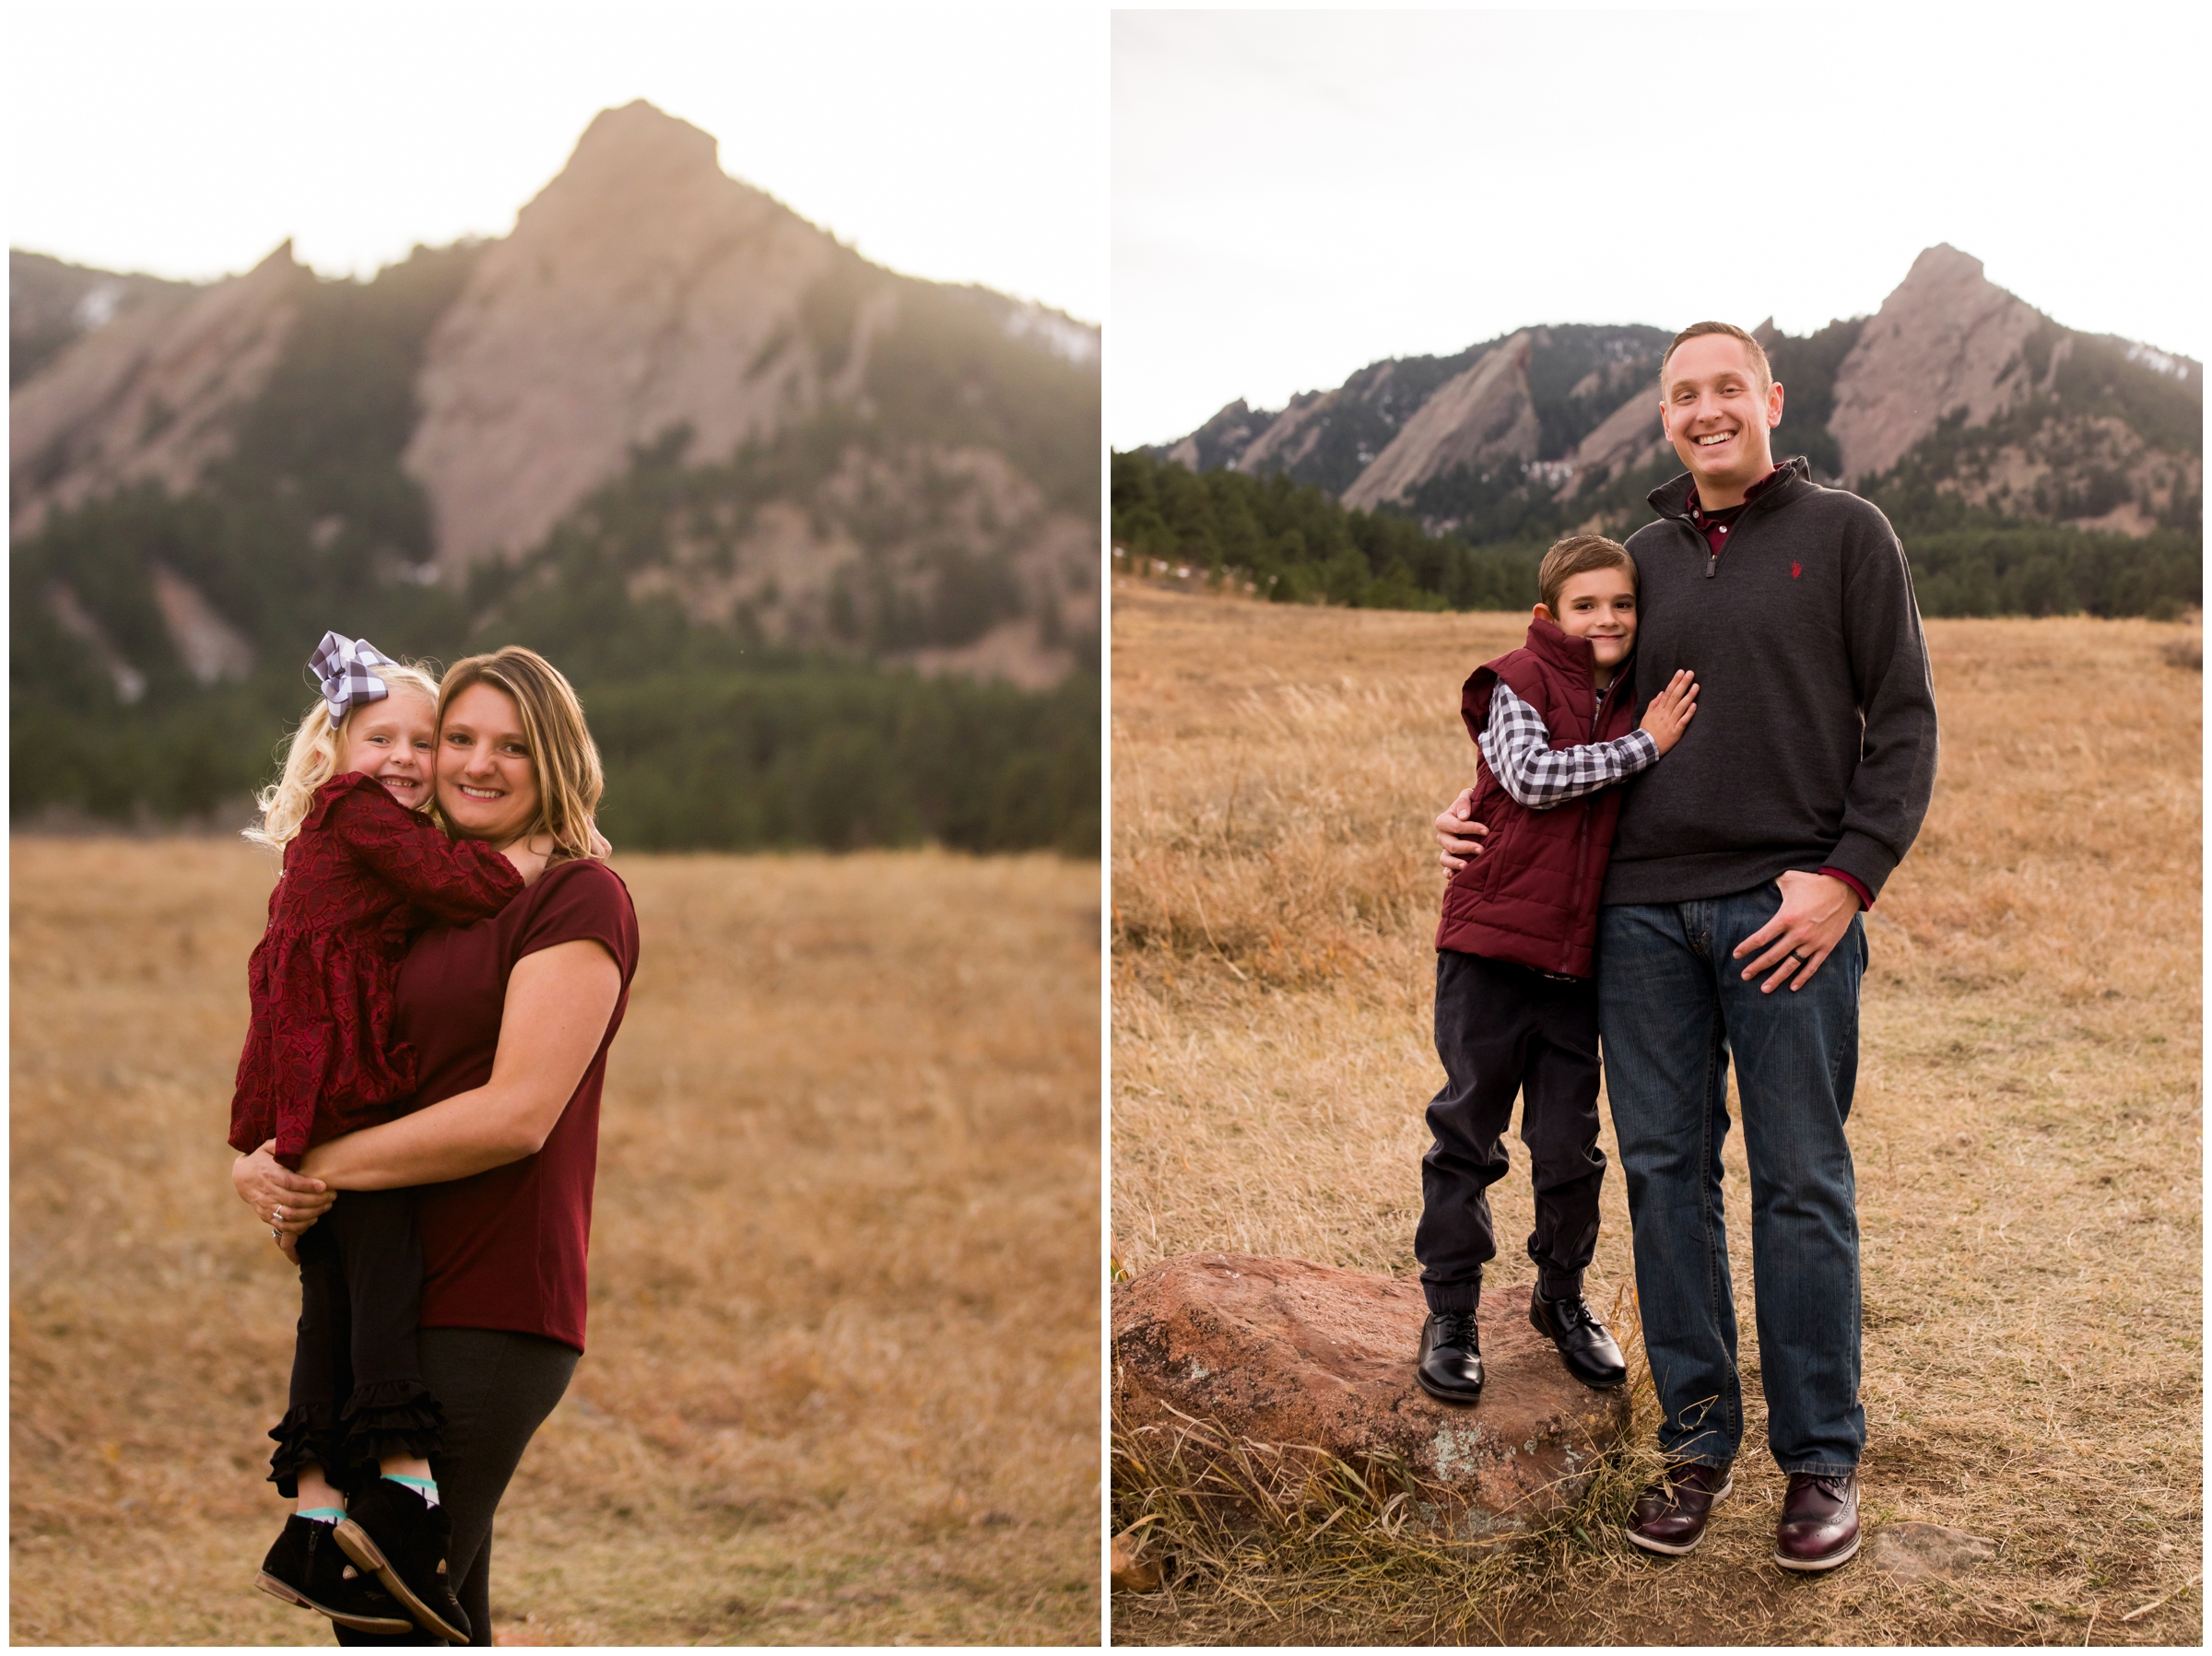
363	873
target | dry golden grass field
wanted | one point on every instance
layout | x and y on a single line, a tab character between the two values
842	1383
2027	1128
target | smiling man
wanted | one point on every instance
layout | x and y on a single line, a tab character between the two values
1730	927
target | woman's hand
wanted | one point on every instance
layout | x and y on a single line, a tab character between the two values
1671	711
1458	833
284	1201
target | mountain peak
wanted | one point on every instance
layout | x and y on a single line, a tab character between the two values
641	140
645	172
641	289
1944	340
1942	263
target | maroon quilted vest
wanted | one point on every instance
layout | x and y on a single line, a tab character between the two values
1531	897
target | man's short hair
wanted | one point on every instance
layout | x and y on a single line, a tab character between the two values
1698	330
1579	554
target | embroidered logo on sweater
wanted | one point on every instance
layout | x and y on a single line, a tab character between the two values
1796	570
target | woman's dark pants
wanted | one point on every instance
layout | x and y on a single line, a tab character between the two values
1502	1030
357	1394
497	1388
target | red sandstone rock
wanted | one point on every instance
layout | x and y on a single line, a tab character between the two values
1285	1353
1131	1571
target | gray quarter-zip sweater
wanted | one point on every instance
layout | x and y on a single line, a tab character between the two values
1814	742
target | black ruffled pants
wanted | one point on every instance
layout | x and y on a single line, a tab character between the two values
358	1393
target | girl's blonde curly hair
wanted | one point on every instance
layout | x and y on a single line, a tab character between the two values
314	756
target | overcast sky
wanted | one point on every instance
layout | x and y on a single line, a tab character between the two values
188	140
1297	194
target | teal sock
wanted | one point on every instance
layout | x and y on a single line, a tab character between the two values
426	1487
320	1514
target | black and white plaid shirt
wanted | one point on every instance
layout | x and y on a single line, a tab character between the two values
1540	776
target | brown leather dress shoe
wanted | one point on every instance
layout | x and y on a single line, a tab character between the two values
1669	1516
1819	1525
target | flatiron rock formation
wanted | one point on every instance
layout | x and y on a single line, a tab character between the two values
150	397
1481	414
643	288
1947	340
1289	1354
1628	438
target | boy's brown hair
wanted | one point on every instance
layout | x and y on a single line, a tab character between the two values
1578	555
1696	330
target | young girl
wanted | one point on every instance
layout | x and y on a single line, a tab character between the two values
364	865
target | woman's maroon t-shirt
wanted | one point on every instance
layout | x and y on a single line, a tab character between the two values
505	1248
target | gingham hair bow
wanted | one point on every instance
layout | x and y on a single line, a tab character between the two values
342	666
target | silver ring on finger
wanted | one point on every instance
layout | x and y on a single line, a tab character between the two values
275	1235
280	1215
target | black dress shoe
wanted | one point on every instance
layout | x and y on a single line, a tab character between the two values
305	1568
1451	1362
1669	1516
1584	1346
1819	1524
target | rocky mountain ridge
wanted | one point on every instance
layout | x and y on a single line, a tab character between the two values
906	471
51	304
1956	392
151	395
641	289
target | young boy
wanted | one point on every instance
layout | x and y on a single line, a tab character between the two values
1516	1005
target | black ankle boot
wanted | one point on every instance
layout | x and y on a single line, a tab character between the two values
305	1568
393	1531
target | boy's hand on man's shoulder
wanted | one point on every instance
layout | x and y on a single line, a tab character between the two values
1671	711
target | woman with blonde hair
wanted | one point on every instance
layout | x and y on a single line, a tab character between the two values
510	1018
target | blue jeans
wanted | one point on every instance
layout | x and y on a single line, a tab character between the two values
1672	1006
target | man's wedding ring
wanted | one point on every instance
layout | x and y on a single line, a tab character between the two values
1794	955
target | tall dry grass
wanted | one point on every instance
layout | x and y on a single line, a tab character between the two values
842	1382
2027	1129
